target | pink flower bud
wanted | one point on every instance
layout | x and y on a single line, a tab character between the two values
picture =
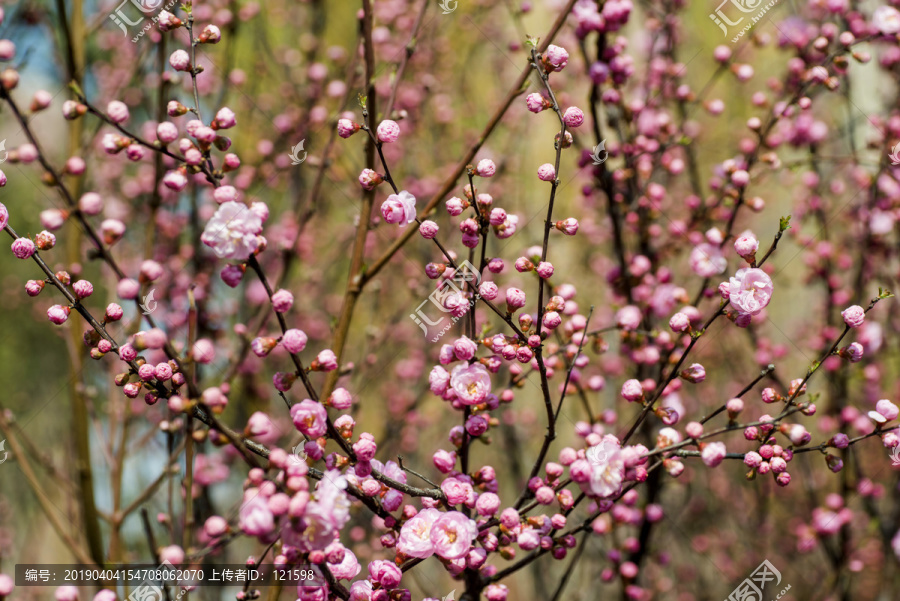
34	287
545	269
117	111
694	374
428	229
888	409
568	226
486	168
83	289
854	316
547	172
45	240
551	320
262	346
325	361
536	103
713	454
632	391
282	301
347	128
180	60
680	322
58	314
225	119
746	246
210	35
368	179
555	58
22	248
388	131
232	275
294	341
515	299
573	117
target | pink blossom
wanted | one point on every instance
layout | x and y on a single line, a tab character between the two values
368	179
310	418
117	111
347	128
438	380
457	491
607	469
4	216
399	208
388	131
452	535
713	453
750	291
385	573
886	19
515	299
486	168
180	60
428	229
255	517
225	118
746	245
22	248
233	232
629	318
854	316
536	103
415	536
547	172
632	391
294	341
573	117
58	314
66	593
568	226
471	383
348	567
555	58
210	35
707	260
168	21
282	301
888	409
325	361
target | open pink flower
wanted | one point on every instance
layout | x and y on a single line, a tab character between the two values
452	535
309	417
750	290
415	536
607	468
707	260
255	517
233	232
471	383
399	208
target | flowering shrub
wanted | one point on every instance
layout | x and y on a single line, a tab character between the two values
634	380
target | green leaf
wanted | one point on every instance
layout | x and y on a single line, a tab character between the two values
785	223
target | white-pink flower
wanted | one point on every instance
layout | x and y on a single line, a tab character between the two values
415	536
750	290
707	260
233	232
607	467
471	383
886	19
452	534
